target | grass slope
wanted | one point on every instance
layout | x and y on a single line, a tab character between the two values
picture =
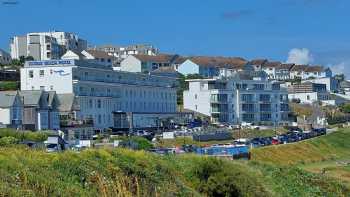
331	147
120	172
327	155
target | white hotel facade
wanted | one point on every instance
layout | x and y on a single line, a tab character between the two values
239	98
99	90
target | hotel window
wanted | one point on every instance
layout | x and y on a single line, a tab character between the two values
31	74
42	87
99	118
98	103
51	87
90	103
195	96
41	73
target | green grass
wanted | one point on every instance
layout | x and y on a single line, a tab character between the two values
326	155
331	147
121	172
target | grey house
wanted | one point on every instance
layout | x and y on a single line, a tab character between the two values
11	109
40	110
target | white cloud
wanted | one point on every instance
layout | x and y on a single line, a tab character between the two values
341	68
300	56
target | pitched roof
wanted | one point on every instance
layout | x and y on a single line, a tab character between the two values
161	58
314	69
285	66
76	52
51	95
7	98
31	97
66	102
257	61
168	69
271	64
299	67
98	53
220	62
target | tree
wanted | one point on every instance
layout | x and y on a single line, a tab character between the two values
345	108
340	77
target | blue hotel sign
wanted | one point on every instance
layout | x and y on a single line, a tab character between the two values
51	63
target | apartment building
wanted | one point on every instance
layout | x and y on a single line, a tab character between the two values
45	45
122	52
5	58
245	96
99	90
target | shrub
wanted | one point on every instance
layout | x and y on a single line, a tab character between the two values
5	141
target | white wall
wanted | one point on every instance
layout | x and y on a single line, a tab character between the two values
59	78
131	64
188	67
5	116
200	104
305	97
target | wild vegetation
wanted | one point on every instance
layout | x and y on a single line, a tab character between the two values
9	85
328	155
123	172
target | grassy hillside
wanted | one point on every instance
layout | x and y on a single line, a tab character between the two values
327	155
120	172
331	147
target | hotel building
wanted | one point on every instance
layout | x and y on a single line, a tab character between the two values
99	91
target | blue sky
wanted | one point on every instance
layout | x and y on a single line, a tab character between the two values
246	28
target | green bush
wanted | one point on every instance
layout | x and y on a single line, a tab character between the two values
134	142
38	136
5	141
9	85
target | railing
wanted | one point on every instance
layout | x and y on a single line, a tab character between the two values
72	123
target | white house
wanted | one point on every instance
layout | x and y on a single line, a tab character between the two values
316	72
188	67
210	66
11	110
308	92
331	83
99	57
148	63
